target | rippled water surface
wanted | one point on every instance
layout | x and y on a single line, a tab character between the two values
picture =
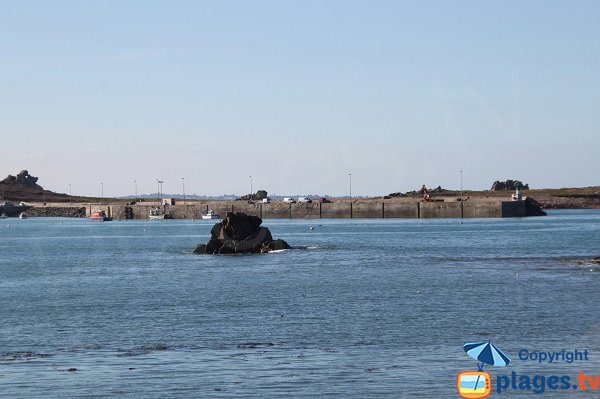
359	308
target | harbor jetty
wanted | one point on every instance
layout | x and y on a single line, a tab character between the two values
337	209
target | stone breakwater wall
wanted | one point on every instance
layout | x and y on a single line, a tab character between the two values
57	211
344	210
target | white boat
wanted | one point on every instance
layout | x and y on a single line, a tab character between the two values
155	214
22	215
3	216
210	215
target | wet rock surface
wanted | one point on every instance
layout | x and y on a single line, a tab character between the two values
240	233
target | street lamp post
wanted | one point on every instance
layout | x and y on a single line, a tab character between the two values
350	177
250	188
183	184
135	189
102	192
461	185
461	198
158	189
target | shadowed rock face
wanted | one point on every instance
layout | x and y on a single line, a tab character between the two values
260	194
24	187
23	179
533	208
508	185
240	233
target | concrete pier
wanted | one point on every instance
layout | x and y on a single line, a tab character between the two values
339	210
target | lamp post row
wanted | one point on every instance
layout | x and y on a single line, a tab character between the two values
160	182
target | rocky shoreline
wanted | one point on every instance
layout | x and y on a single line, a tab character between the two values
569	202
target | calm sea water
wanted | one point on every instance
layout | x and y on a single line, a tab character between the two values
361	308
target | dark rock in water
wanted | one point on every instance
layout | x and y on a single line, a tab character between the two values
200	249
596	260
240	233
533	208
278	245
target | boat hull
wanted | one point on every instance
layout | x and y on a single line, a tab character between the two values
101	219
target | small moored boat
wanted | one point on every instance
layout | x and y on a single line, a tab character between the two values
100	216
156	214
22	215
210	215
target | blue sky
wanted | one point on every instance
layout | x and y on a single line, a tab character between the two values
299	94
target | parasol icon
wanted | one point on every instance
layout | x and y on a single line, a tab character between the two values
486	353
